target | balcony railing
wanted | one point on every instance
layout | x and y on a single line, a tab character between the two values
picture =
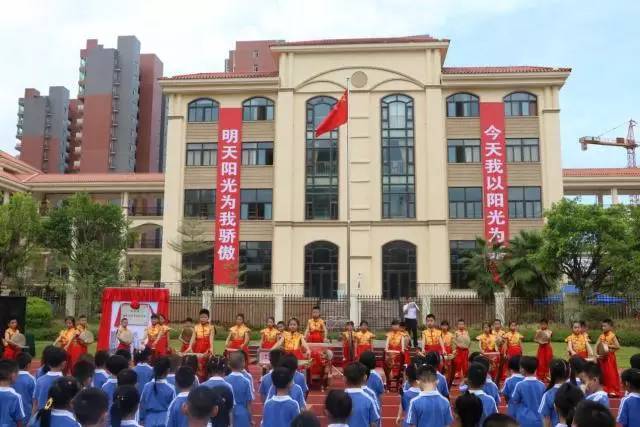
145	211
146	243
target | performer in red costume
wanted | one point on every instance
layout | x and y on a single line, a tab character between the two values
238	338
607	360
11	351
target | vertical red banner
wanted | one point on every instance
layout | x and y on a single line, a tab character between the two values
494	172
227	232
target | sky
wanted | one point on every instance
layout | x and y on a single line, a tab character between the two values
40	42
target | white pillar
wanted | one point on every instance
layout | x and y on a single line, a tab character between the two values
500	306
70	302
5	197
600	199
278	301
207	297
614	196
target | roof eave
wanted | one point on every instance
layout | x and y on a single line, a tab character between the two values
537	78
351	47
227	85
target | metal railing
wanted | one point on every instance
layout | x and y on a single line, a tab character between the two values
146	243
145	210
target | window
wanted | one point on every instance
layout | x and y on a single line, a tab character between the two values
463	150
465	202
399	270
257	153
256	53
197	270
200	204
321	177
463	105
321	270
203	110
255	265
520	104
398	174
457	250
523	150
202	154
257	109
525	202
255	203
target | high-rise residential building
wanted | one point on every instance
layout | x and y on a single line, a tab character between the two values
251	56
150	115
43	129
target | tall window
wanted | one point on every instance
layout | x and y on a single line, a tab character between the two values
525	202
465	202
398	173
463	105
523	150
203	110
202	154
457	249
398	270
257	109
255	203
197	270
257	153
200	204
321	195
255	265
463	150
520	104
321	270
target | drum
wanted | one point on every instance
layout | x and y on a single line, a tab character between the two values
19	340
126	337
462	341
499	341
494	358
185	335
86	336
542	336
263	357
602	348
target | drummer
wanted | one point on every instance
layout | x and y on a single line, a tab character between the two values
447	343
432	337
238	338
152	335
269	335
513	340
462	340
163	344
316	330
123	335
186	334
487	340
348	342
607	359
292	341
394	350
577	343
81	345
66	339
202	342
364	339
11	351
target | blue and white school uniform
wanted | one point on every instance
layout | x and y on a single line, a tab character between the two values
11	408
265	385
364	410
299	378
100	376
40	372
629	411
248	376
599	396
279	411
295	392
489	405
406	398
109	388
526	400
43	384
442	385
61	418
373	395
154	402
490	388
218	381
375	383
243	396
25	385
510	385
145	375
171	379
130	423
175	416
429	409
547	406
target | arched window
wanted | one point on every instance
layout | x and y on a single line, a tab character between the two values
463	105
398	270
398	165
321	186
321	270
203	110
520	104
257	108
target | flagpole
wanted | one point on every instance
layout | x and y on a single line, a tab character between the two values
348	197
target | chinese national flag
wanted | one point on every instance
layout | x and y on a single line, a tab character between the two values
336	117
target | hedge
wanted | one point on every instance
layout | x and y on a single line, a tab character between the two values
39	313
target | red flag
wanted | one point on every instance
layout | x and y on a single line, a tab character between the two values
336	117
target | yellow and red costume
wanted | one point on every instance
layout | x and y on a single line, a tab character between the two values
395	340
431	340
364	342
237	335
163	345
66	340
121	345
79	347
609	365
316	330
579	344
202	346
544	356
348	345
514	343
153	333
487	342
292	343
269	337
461	360
11	352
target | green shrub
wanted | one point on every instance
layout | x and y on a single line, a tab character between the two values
594	315
39	313
628	337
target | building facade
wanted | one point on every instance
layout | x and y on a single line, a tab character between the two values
415	173
252	56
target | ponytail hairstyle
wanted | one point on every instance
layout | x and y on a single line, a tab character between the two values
160	370
61	393
566	400
125	403
559	371
217	365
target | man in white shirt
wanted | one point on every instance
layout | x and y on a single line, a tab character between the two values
410	312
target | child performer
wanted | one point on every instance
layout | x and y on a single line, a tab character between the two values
238	338
545	351
186	334
80	347
202	342
501	345
461	361
348	342
269	335
577	344
608	362
316	328
123	335
513	340
447	344
163	344
292	341
432	336
364	339
66	340
394	351
152	335
487	340
11	351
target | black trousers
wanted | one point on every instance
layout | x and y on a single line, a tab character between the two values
412	328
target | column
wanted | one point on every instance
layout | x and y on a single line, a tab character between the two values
600	199
500	306
207	298
551	159
5	197
614	196
122	271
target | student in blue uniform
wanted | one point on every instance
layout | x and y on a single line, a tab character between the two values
297	389
83	372
25	384
476	378
338	407
90	407
429	408
242	391
629	411
432	358
275	356
468	409
364	412
203	405
374	380
127	377
559	372
157	396
174	359
142	368
290	362
56	361
126	401
184	379
500	420
411	375
100	374
114	365
489	386
11	407
57	411
593	383
567	398
527	395
217	369
44	361
514	378
592	414
280	409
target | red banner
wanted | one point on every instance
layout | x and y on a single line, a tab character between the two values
226	248
494	173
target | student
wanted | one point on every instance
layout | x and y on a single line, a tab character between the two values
280	326
577	365
595	392
265	382
11	351
57	362
126	354
337	407
57	412
316	329
364	412
432	336
90	407
124	410
174	364
500	420
348	342
100	375
202	342
634	361
217	370
487	339
122	344
577	343
364	339
292	341
224	396
269	335
127	377
527	395
513	340
489	386
591	414
559	376
545	351
629	411
242	391
476	378
432	358
186	334
184	378
608	362
44	361
413	390
11	405
394	350
25	384
280	409
461	361
305	419
156	395
115	364
202	405
429	408
374	380
66	340
567	398
83	372
238	338
290	362
80	347
142	368
469	410
514	378
191	361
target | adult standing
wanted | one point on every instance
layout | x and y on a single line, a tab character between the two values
410	313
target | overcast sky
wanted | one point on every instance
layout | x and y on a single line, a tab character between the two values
40	43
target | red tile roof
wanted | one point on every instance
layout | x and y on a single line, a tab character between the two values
364	40
503	69
13	159
223	75
80	178
604	172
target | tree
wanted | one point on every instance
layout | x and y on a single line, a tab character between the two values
481	267
192	249
144	268
19	231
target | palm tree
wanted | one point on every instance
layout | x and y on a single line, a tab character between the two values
482	267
